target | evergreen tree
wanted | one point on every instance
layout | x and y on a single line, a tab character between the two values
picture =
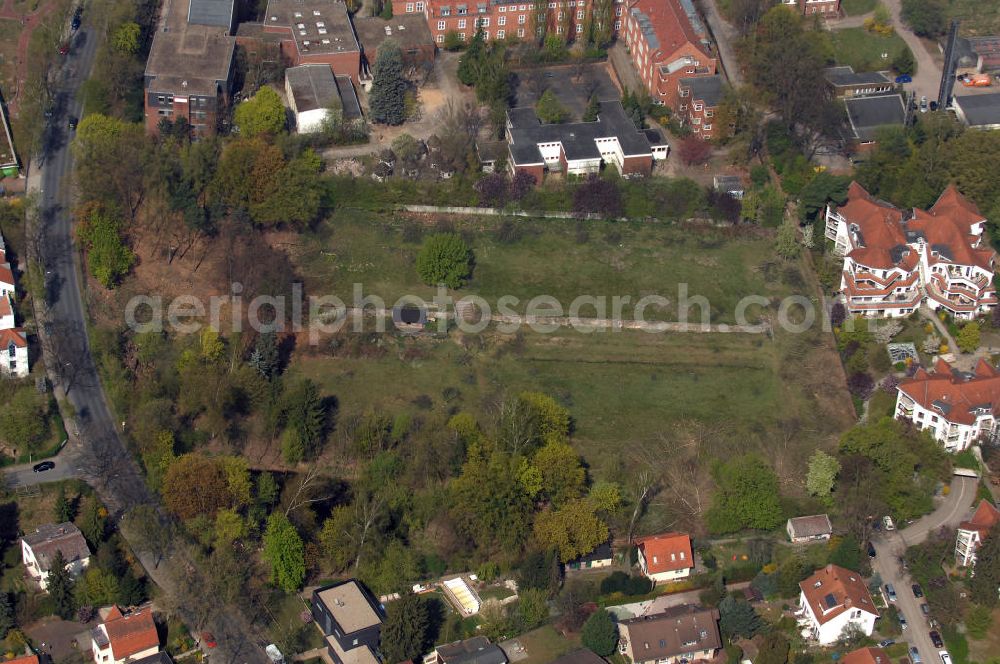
60	586
404	634
590	114
469	65
388	86
265	355
305	417
737	618
63	510
600	633
6	615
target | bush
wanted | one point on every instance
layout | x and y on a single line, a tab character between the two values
600	633
616	582
444	259
638	585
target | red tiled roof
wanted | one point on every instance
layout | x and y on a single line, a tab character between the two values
672	27
985	517
26	659
667	552
5	308
833	589
14	335
954	394
879	224
131	633
866	656
6	275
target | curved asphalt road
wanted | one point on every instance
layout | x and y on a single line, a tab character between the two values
95	452
891	546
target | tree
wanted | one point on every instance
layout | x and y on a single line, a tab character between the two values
265	357
904	63
521	184
596	195
196	485
305	420
125	38
968	337
98	587
25	420
822	474
549	110
264	113
562	474
62	511
59	584
593	107
986	580
747	496
573	529
694	151
773	649
492	189
407	148
405	631
600	633
470	62
6	614
532	608
927	18
847	554
108	257
738	619
498	517
446	259
453	42
93	522
284	552
385	101
787	243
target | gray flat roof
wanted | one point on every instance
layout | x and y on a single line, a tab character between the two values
211	12
312	87
350	106
408	31
318	26
349	606
188	58
868	114
980	110
577	138
846	76
708	89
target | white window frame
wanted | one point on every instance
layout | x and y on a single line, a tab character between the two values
501	20
440	25
501	34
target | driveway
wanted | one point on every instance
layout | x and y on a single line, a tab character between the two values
724	36
66	467
891	546
927	80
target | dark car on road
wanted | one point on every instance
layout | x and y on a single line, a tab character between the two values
917	591
886	643
936	639
871	550
926	609
71	122
915	655
75	23
43	466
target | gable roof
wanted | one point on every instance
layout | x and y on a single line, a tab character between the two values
985	517
832	590
581	656
959	396
866	656
602	552
48	539
810	526
24	659
668	25
667	552
130	633
677	630
477	650
14	335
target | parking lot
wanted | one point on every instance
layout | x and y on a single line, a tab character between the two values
573	85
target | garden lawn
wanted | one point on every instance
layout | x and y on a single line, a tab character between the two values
545	644
858	7
863	50
982	651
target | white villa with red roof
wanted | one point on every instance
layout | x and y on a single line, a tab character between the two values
896	259
833	598
13	340
665	557
125	636
971	533
955	407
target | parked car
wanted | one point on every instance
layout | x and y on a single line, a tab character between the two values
934	106
923	104
871	550
945	657
208	639
904	78
885	643
902	622
77	19
936	639
43	466
917	591
71	122
925	608
890	592
915	655
887	520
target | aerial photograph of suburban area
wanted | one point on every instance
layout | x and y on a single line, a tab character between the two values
489	331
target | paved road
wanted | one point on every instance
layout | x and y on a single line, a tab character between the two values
67	467
724	35
100	455
891	546
927	80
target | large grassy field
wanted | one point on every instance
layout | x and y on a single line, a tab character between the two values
979	19
863	50
772	393
564	259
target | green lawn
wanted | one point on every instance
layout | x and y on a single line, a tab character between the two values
858	7
979	19
863	50
545	644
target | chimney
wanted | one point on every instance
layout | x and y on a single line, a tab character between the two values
829	568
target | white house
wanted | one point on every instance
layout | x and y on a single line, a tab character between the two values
38	550
970	534
956	407
125	637
665	557
833	598
13	340
895	259
602	556
314	92
809	528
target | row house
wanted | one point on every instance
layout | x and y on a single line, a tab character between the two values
581	148
504	20
894	259
668	42
971	533
830	600
955	407
824	8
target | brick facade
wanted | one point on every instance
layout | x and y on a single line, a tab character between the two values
829	8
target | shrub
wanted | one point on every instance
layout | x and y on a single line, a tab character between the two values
616	582
600	633
444	259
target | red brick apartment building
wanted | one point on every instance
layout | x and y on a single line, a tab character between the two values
698	105
829	8
500	19
315	32
668	42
